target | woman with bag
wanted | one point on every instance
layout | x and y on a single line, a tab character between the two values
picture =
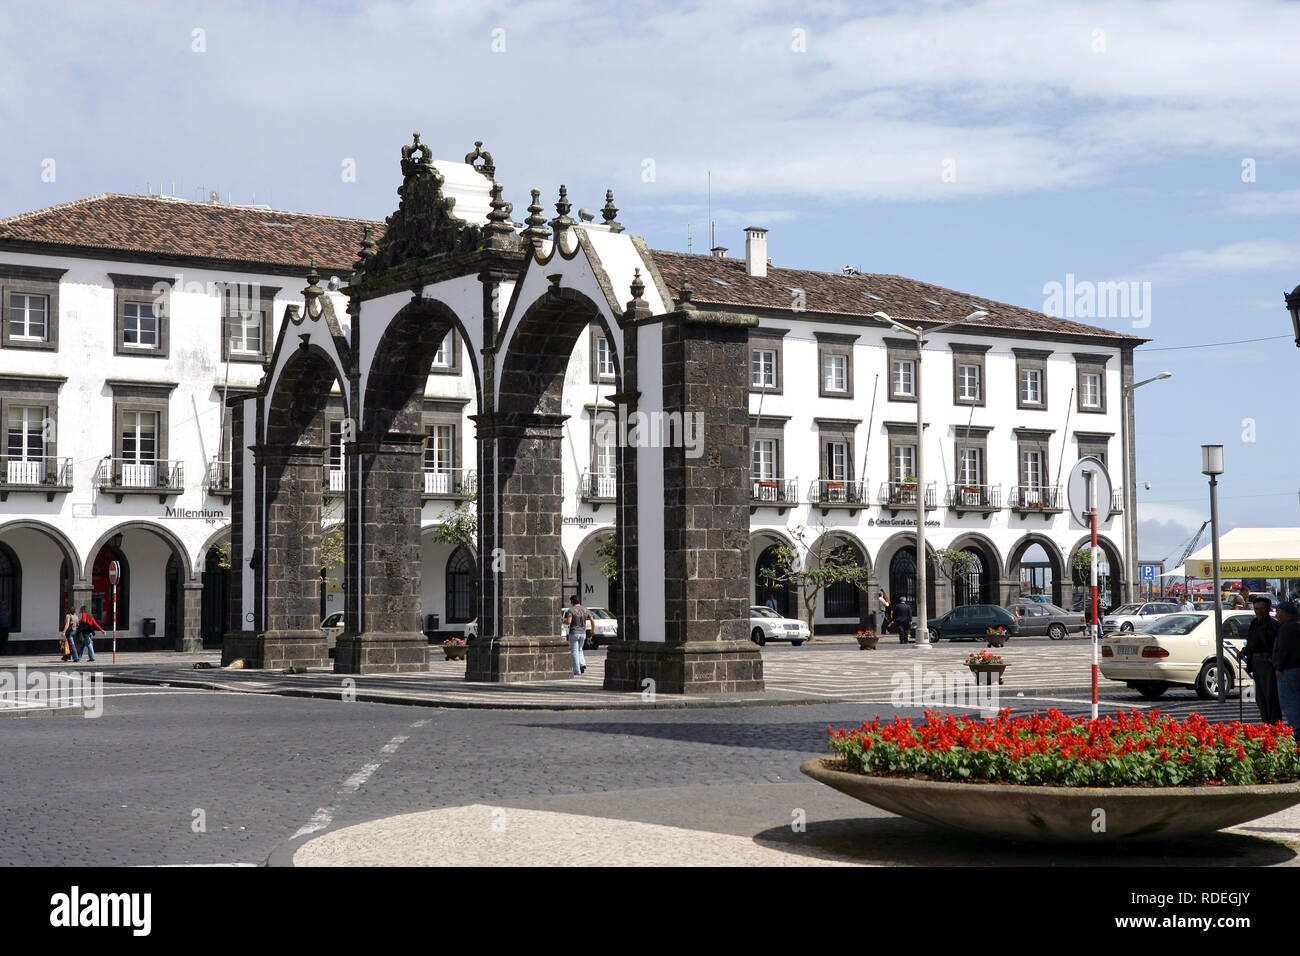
71	652
87	627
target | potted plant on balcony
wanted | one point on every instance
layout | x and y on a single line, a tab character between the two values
867	640
454	648
908	483
996	636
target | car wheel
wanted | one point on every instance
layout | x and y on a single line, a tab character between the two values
1207	684
1126	626
795	643
1056	632
934	635
757	637
1150	690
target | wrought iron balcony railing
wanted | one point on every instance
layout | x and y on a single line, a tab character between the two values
598	486
1117	502
774	491
963	497
48	474
123	476
837	493
1041	498
218	479
903	494
449	482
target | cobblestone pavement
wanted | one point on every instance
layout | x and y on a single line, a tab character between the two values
175	776
828	671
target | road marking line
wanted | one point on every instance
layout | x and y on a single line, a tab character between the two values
319	821
392	745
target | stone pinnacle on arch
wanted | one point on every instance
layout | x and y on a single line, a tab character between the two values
535	232
609	211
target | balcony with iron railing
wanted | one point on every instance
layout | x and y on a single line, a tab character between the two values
780	493
454	483
597	488
49	475
335	481
828	493
985	499
903	496
1036	499
218	479
1117	502
126	476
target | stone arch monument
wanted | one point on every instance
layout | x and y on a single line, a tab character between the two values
450	257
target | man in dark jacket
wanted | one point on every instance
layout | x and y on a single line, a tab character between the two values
1286	662
1257	656
903	619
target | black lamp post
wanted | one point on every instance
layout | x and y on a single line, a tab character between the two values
1293	306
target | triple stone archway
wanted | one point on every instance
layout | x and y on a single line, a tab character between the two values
450	258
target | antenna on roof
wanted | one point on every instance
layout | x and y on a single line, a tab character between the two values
688	235
713	239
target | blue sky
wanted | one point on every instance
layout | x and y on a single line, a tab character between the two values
1101	140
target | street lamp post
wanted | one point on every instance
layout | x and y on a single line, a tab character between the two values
1212	465
922	612
1129	491
1293	306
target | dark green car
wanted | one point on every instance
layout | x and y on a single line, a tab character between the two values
969	622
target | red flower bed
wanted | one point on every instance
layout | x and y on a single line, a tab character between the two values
1130	749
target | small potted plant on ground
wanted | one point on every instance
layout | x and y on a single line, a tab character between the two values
867	640
454	648
996	636
982	662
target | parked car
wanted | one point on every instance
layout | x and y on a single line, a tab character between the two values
766	625
1034	598
1127	616
970	621
333	627
605	630
1051	620
1175	650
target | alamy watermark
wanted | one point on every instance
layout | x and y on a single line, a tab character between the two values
651	430
1083	299
956	688
21	689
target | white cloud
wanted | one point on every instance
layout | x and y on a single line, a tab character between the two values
1251	203
1202	265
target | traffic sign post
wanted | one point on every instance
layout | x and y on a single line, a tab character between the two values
114	570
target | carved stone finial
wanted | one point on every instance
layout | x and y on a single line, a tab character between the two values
313	292
562	221
488	169
638	287
367	250
412	167
535	231
500	230
684	294
609	211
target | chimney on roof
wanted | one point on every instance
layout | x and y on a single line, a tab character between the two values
718	252
755	251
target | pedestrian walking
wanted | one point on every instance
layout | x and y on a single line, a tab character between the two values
902	619
1239	599
1257	658
770	604
86	628
1286	662
882	602
1186	604
576	619
68	634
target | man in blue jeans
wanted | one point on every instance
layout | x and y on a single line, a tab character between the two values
1286	664
575	619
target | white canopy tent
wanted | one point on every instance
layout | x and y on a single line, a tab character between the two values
1247	553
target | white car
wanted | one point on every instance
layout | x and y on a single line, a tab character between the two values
1176	650
1128	616
333	627
766	625
605	628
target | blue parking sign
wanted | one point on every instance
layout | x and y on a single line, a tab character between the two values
1148	572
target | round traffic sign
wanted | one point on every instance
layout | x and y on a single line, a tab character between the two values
1076	489
114	569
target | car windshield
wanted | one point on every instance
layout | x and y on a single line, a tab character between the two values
1127	609
599	612
333	620
1055	609
1174	624
762	612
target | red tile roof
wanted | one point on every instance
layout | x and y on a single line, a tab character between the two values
180	229
724	282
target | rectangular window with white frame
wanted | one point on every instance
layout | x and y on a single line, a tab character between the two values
764	459
443	357
835	373
968	383
1091	391
835	360
25	444
837	461
605	359
1031	386
140	328
246	332
763	368
29	307
29	317
1090	370
903	466
439	448
903	378
970	471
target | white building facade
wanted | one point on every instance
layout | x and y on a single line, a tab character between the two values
130	324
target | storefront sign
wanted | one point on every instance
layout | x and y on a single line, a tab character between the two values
1255	568
209	514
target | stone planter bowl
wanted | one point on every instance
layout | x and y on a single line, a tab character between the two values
455	652
867	642
1061	814
978	669
996	640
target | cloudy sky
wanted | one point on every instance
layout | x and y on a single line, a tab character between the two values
990	147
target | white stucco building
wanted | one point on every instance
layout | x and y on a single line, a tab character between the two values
129	322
